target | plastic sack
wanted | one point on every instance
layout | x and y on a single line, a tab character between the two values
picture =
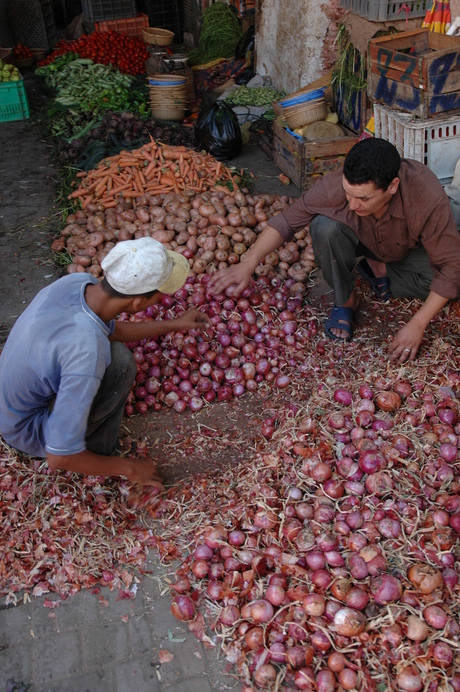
218	132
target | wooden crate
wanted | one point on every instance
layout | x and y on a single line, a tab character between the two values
416	72
303	162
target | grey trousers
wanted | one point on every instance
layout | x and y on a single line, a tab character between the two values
336	248
108	406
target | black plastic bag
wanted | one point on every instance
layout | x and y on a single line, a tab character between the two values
245	44
218	132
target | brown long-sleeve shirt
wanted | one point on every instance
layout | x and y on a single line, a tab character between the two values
419	213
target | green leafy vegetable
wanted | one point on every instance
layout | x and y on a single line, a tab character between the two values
219	35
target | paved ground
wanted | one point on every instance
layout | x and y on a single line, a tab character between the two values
91	642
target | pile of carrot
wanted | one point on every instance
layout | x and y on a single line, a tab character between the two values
153	168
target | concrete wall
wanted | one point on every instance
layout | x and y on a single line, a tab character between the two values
295	40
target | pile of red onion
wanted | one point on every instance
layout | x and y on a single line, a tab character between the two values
253	340
335	566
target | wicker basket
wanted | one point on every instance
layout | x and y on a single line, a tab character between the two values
157	37
38	53
162	113
168	96
305	113
23	62
6	54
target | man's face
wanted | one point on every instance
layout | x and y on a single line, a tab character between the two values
367	199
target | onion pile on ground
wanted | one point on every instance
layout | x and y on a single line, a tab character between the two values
333	563
254	339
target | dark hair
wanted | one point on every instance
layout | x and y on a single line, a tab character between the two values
107	288
372	160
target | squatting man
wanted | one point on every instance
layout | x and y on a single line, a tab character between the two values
394	214
65	373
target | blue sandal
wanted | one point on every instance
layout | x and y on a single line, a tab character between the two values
340	318
381	284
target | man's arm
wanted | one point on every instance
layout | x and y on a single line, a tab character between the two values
408	339
133	331
238	275
90	464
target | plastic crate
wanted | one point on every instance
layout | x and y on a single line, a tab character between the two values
103	10
13	102
131	27
32	23
381	10
434	142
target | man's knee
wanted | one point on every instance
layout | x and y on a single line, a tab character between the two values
123	361
324	231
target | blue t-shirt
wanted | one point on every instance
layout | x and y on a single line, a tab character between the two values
57	351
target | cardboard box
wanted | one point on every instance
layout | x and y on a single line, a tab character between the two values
415	72
303	162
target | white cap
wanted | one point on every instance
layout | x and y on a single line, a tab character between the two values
134	267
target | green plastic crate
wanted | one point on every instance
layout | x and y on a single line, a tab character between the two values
13	101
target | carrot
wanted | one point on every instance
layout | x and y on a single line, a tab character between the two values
130	193
124	162
159	188
150	168
137	178
102	183
81	174
103	172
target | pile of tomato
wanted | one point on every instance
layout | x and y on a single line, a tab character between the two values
124	52
22	52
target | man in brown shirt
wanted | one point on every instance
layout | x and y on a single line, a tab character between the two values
392	211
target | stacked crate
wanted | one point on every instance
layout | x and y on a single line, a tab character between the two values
32	23
414	83
120	16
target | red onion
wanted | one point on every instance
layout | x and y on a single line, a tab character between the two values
314	604
295	656
343	396
262	611
442	654
275	594
435	616
325	681
277	652
371	461
450	577
409	679
265	675
320	641
183	607
336	662
229	615
447	415
386	589
358	567
304	679
448	452
349	622
348	679
357	598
